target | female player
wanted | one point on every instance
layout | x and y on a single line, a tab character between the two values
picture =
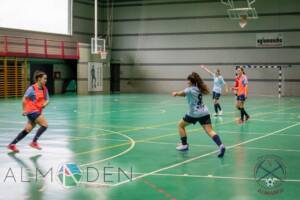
35	99
198	112
242	92
219	83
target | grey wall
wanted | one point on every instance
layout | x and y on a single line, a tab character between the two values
159	44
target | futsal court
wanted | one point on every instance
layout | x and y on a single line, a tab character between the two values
139	131
98	100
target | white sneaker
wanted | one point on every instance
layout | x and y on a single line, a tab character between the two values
182	147
220	112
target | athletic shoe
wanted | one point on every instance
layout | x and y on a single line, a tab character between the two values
239	121
216	114
220	112
182	147
35	145
13	148
222	150
247	117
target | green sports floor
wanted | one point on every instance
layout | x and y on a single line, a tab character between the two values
125	145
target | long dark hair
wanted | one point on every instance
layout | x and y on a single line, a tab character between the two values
197	81
38	74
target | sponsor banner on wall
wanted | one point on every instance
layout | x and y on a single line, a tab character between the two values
269	40
95	77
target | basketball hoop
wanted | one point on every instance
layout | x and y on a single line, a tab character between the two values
243	14
102	54
243	21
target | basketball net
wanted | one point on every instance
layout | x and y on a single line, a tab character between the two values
243	21
102	54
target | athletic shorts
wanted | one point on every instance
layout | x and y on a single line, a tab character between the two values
202	120
216	95
241	98
33	116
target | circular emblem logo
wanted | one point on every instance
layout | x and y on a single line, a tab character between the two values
270	172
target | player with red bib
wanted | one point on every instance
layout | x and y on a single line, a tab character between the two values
36	98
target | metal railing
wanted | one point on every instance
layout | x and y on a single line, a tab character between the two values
38	48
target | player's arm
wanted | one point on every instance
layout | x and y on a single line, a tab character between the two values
180	94
45	104
207	70
47	99
226	87
245	85
27	96
235	87
23	105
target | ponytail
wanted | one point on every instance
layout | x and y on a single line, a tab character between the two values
197	81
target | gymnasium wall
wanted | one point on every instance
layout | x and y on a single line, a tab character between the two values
158	44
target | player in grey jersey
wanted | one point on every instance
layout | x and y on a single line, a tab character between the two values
219	83
197	112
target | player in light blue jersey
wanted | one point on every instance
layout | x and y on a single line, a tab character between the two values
219	83
197	112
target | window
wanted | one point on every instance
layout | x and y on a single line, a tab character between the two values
52	16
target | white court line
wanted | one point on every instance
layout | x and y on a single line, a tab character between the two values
204	155
132	144
187	176
254	133
274	121
13	122
206	145
216	177
272	149
213	146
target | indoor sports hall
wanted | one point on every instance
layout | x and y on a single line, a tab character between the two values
149	99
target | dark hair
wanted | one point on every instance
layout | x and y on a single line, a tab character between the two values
38	74
197	81
242	69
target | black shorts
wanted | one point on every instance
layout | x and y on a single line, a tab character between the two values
33	116
202	120
241	98
216	95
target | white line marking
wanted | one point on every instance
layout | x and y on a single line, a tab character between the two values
274	121
209	176
217	177
205	155
132	144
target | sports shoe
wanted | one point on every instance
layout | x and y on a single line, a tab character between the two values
35	145
182	147
13	148
216	114
222	150
247	117
239	121
220	112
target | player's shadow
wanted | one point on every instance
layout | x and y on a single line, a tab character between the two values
35	185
